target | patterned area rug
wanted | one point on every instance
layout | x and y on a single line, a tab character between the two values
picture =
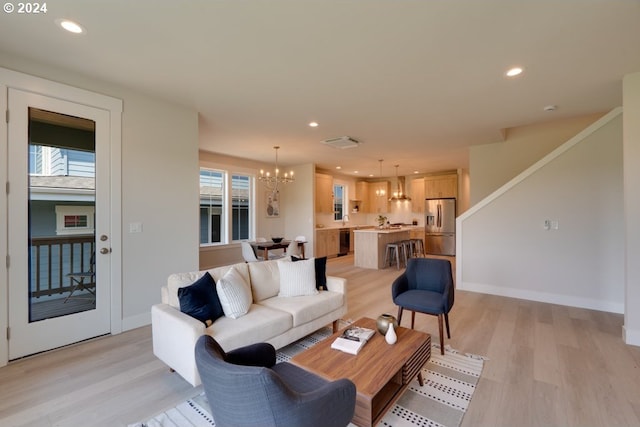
449	383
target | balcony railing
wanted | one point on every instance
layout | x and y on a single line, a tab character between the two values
53	258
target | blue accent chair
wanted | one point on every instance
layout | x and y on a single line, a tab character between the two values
426	286
246	387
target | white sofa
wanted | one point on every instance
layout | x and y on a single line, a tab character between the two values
273	319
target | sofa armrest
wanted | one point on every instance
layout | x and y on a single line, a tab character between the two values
174	340
337	284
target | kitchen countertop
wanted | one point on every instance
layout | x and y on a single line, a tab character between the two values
367	227
388	230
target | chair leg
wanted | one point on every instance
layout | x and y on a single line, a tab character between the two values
446	322
399	315
413	319
440	316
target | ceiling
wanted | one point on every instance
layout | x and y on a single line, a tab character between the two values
417	82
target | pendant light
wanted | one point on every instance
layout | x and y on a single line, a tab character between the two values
380	191
271	181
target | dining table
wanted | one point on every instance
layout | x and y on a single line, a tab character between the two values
265	247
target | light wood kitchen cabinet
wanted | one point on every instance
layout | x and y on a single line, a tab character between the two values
379	204
417	195
362	196
441	186
327	243
324	193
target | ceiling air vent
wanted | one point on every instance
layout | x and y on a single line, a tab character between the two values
342	142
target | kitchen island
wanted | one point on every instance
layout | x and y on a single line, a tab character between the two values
370	245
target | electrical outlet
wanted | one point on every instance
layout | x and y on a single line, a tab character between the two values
135	227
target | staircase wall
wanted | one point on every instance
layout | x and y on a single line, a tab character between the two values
505	249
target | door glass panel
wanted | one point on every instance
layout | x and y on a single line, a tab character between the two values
61	210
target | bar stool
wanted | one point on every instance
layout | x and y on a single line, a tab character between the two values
392	251
407	249
418	247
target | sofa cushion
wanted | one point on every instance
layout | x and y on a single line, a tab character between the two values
297	278
241	267
305	309
321	271
178	280
265	279
259	324
234	293
200	300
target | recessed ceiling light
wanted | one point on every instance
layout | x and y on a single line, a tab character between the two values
72	27
356	172
338	167
313	124
416	171
515	71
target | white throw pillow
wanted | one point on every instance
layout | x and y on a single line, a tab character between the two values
234	293
297	278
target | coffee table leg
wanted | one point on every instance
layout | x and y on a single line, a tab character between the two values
420	379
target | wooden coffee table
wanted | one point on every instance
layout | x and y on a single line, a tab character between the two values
381	372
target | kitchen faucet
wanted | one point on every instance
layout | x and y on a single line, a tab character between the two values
345	218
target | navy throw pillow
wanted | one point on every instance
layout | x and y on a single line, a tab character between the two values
200	300
321	271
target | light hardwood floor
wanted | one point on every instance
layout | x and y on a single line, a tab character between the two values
549	365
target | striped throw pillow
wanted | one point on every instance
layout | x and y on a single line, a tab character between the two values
234	293
297	278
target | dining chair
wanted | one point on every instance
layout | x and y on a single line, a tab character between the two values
247	252
293	249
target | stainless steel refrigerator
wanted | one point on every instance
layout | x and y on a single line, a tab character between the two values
440	226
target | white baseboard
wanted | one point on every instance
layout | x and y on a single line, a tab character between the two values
568	300
631	336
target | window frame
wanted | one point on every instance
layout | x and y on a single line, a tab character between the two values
63	211
344	198
227	207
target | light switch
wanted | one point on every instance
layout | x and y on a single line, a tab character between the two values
135	227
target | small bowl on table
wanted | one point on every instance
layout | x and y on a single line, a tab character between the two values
277	239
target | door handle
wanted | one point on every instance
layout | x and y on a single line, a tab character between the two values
105	251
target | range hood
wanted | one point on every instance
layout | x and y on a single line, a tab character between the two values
398	195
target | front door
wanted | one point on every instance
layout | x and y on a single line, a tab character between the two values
58	223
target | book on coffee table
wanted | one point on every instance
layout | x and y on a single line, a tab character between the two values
352	339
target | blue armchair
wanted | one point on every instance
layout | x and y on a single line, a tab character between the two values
246	387
427	287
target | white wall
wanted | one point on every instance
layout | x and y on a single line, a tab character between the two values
159	187
492	165
631	99
160	190
296	207
504	249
